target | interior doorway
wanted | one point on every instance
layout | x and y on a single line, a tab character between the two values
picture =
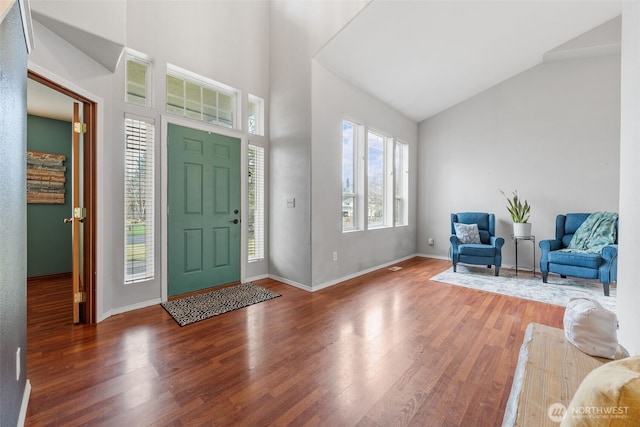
48	99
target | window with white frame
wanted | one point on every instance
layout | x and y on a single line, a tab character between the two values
350	135
138	76
255	115
139	199
376	180
202	99
401	181
255	214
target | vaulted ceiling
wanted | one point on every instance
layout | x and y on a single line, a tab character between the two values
422	57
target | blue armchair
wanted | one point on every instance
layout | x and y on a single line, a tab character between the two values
602	266
488	251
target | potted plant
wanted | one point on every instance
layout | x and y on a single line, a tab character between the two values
520	212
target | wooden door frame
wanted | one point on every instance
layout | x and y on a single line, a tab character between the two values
89	114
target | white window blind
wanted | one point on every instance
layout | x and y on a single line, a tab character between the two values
255	226
139	194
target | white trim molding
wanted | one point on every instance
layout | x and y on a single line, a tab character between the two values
22	417
27	24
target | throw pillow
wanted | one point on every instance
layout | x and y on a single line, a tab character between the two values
591	327
608	396
467	233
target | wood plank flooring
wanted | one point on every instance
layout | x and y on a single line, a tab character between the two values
384	349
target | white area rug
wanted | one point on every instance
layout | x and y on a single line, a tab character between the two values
558	291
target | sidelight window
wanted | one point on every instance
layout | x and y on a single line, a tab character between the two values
139	200
255	216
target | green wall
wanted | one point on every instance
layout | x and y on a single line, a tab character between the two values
48	237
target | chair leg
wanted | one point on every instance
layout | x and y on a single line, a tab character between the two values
606	289
545	274
454	267
497	271
564	277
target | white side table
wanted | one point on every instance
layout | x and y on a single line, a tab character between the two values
531	238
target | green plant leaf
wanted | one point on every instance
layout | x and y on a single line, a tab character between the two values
519	211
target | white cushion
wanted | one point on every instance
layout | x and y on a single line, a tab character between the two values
591	327
467	233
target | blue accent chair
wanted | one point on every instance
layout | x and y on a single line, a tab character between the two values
602	266
488	252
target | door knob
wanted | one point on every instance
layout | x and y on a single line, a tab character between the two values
68	220
235	221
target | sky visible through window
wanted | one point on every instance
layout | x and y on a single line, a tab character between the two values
348	145
376	155
376	181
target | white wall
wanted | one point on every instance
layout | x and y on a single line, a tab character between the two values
332	100
61	62
628	288
298	31
224	41
103	18
551	132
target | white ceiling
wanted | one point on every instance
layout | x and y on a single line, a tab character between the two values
45	102
422	57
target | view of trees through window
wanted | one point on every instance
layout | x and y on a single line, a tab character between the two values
139	232
375	176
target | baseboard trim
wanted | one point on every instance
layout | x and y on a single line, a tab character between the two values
254	278
330	283
130	307
445	258
22	418
360	273
291	283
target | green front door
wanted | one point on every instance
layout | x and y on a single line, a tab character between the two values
204	210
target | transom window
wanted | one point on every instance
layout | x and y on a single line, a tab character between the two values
138	75
255	115
201	98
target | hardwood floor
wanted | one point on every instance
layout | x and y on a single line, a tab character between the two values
384	349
